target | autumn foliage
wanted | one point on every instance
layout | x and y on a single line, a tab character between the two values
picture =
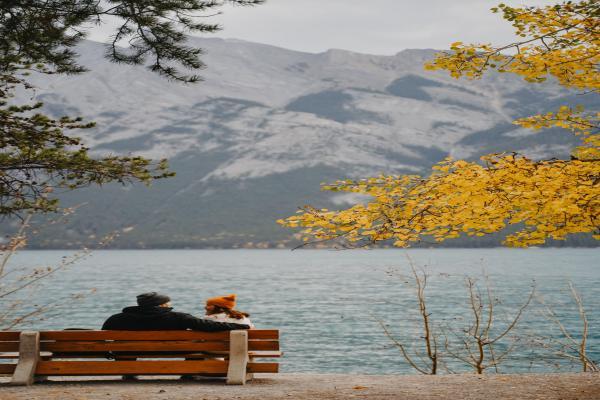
544	198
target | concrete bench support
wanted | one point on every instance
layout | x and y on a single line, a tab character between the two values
29	355
238	358
234	355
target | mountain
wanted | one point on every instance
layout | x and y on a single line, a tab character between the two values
254	140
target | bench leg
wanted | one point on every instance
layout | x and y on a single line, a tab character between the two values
29	354
238	358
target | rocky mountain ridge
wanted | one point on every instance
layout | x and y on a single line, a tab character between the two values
254	140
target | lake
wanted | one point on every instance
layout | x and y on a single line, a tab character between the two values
329	304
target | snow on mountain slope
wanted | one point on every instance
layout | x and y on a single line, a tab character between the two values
277	110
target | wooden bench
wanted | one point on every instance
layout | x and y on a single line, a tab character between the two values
231	354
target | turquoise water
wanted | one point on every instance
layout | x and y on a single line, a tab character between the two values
327	303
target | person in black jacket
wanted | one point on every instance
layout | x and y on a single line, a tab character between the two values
153	313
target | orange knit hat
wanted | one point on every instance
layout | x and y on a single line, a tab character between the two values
222	301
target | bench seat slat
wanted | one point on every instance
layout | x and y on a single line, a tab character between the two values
7	368
83	368
272	368
82	335
73	368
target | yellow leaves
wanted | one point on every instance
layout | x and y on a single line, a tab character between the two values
552	198
563	44
547	198
573	119
587	153
585	125
460	164
400	243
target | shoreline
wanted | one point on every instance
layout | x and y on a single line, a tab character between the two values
563	386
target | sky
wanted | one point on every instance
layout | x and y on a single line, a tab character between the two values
366	26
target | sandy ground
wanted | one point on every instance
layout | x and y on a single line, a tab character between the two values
323	386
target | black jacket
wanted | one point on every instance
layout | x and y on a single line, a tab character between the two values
163	318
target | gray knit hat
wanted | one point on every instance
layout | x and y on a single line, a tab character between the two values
152	299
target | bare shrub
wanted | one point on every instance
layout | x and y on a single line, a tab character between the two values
477	342
483	344
569	346
428	363
18	284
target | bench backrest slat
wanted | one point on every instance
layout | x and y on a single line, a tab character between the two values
82	335
9	346
9	336
170	346
77	341
151	346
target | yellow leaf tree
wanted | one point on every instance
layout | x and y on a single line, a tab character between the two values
544	198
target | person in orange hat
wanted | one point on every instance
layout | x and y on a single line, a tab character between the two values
222	309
